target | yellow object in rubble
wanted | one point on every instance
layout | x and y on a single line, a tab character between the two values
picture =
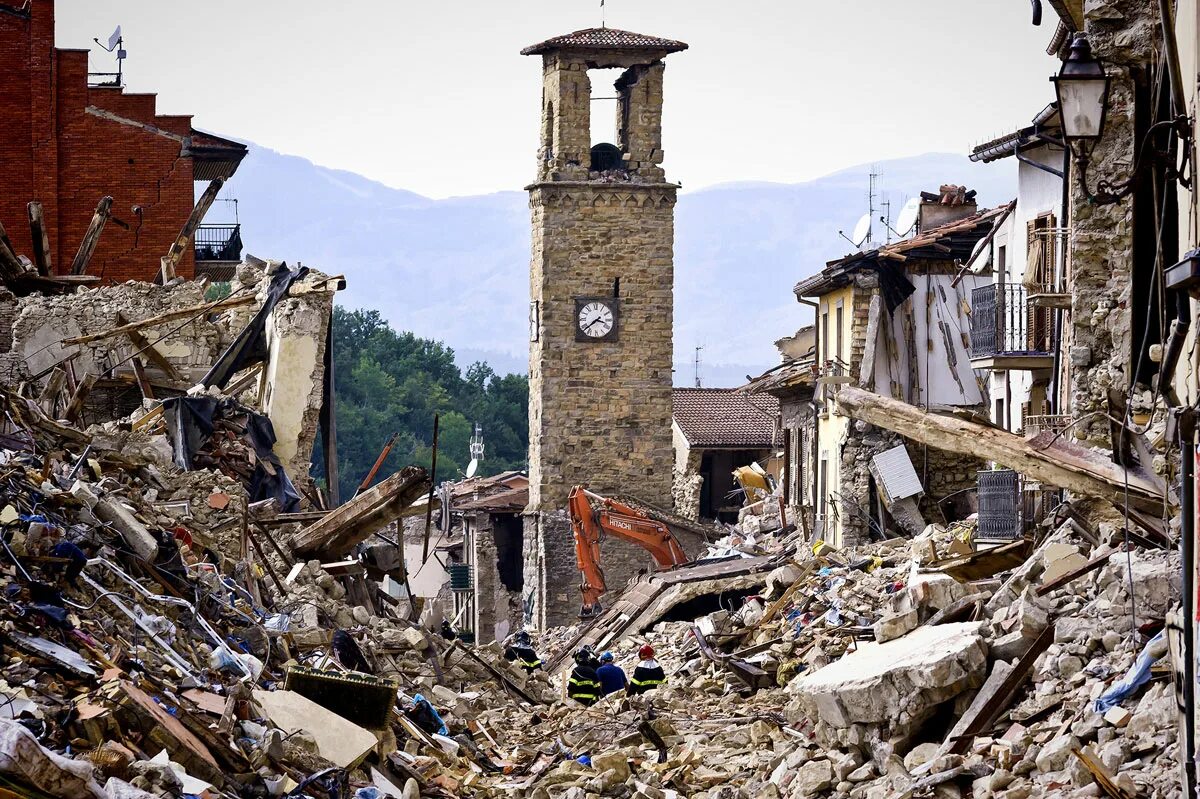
754	483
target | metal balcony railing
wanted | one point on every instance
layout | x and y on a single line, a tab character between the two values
1040	423
1003	322
219	243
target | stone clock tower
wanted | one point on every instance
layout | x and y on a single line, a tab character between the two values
601	283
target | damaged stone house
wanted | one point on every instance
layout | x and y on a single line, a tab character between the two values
715	432
793	383
895	320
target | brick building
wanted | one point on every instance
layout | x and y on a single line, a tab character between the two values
67	143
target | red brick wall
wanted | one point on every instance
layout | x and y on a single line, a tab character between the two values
53	150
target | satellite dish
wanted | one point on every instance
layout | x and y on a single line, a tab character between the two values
908	217
862	230
472	467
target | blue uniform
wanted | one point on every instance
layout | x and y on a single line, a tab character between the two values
612	678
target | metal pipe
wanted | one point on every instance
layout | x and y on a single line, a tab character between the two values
1171	51
166	600
1187	547
816	446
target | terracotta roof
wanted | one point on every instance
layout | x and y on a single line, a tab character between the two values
604	39
787	375
723	418
952	241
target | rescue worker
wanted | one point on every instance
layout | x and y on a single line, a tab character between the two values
648	675
519	647
612	677
583	685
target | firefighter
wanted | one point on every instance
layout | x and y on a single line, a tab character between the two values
648	675
520	648
612	677
583	685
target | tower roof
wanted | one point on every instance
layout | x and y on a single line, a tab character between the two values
604	39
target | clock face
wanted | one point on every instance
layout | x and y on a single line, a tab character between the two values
595	319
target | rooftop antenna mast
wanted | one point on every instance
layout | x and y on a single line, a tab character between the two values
872	182
696	365
602	25
115	42
886	219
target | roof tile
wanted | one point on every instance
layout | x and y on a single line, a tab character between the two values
722	417
604	39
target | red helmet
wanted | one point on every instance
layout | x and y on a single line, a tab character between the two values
646	652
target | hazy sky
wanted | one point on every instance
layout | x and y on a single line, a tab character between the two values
433	96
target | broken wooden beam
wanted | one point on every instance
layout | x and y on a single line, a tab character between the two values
10	266
180	245
92	237
363	515
194	310
1045	457
75	406
41	239
143	345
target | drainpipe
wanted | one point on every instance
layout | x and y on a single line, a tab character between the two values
1187	547
1061	265
816	448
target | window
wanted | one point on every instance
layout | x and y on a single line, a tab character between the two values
1002	264
840	355
825	334
1000	418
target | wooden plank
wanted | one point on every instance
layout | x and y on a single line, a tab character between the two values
92	237
985	563
75	406
1043	457
363	515
1104	777
139	370
866	371
10	266
41	239
146	347
48	399
180	245
1002	696
193	310
1074	574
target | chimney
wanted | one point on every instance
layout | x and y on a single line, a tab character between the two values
949	204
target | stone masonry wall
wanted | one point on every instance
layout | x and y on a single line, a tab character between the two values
1100	266
600	412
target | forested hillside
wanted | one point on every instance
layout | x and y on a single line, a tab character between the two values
389	382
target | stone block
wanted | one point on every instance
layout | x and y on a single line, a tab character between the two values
895	625
893	686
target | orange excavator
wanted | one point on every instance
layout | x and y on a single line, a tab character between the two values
619	520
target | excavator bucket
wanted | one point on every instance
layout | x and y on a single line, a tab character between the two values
587	612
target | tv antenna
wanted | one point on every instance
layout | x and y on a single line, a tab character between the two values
476	450
862	230
115	43
696	365
886	219
602	25
907	221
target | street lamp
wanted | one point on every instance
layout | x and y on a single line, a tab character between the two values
1082	90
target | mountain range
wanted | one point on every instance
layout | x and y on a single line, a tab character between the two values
456	269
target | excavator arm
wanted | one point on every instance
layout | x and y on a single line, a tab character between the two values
619	520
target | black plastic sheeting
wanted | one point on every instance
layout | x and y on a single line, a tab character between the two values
250	347
190	425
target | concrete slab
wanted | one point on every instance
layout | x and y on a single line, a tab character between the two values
895	685
339	741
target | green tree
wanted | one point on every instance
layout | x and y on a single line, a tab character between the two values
388	382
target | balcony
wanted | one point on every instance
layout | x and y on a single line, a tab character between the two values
1008	331
218	251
